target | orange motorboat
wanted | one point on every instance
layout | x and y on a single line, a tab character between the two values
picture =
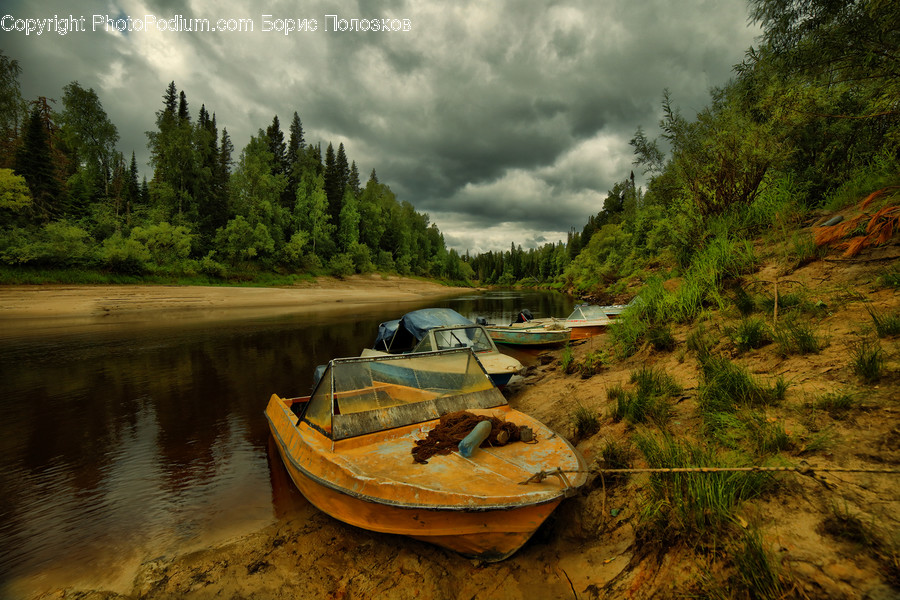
348	448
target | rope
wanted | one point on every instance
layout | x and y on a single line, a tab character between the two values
541	475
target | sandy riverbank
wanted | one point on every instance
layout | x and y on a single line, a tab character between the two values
41	307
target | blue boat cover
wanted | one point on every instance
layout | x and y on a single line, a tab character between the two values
403	334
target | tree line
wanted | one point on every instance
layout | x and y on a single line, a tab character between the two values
70	199
810	121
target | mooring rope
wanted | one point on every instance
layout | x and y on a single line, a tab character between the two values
805	470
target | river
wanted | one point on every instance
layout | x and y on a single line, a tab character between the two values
122	444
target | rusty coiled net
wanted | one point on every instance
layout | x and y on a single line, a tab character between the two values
455	426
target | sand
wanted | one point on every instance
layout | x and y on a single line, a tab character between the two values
42	308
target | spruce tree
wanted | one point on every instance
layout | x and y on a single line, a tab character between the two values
354	180
34	164
334	191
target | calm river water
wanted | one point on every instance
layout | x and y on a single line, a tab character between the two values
133	442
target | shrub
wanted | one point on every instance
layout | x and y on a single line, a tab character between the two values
341	265
124	255
566	359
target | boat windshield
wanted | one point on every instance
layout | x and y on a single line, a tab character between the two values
585	312
456	337
362	395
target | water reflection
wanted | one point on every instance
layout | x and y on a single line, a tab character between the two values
124	444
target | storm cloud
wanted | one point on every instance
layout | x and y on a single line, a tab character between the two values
507	122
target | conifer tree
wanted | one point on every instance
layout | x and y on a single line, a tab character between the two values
277	147
334	191
34	164
354	180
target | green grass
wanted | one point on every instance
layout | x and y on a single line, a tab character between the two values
867	360
725	387
701	342
566	359
661	338
886	324
836	404
796	337
616	455
693	507
757	570
648	401
586	422
749	334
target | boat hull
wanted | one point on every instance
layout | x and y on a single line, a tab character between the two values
489	532
529	337
470	533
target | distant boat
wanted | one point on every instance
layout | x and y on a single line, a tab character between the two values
514	335
350	454
442	329
585	321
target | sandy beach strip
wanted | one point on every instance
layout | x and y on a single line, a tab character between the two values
39	306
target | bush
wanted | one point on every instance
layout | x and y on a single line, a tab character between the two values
341	265
124	255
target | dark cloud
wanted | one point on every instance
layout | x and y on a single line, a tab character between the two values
511	119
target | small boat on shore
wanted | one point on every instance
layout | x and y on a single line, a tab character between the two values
540	335
587	321
432	329
349	449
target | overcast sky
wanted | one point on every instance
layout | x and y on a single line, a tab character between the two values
504	121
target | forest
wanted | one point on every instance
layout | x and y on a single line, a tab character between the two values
72	207
810	121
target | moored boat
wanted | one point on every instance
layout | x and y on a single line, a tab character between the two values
530	336
431	329
350	454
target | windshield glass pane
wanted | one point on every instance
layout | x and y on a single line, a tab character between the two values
458	337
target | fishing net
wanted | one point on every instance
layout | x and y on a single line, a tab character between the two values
455	426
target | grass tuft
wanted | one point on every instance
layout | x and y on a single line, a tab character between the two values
886	324
749	334
648	402
795	337
725	387
757	570
836	404
694	507
867	360
586	422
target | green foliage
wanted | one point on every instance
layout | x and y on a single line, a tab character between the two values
15	197
867	360
55	244
167	244
124	255
239	242
341	265
660	337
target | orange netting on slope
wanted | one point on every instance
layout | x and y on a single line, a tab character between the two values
881	226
